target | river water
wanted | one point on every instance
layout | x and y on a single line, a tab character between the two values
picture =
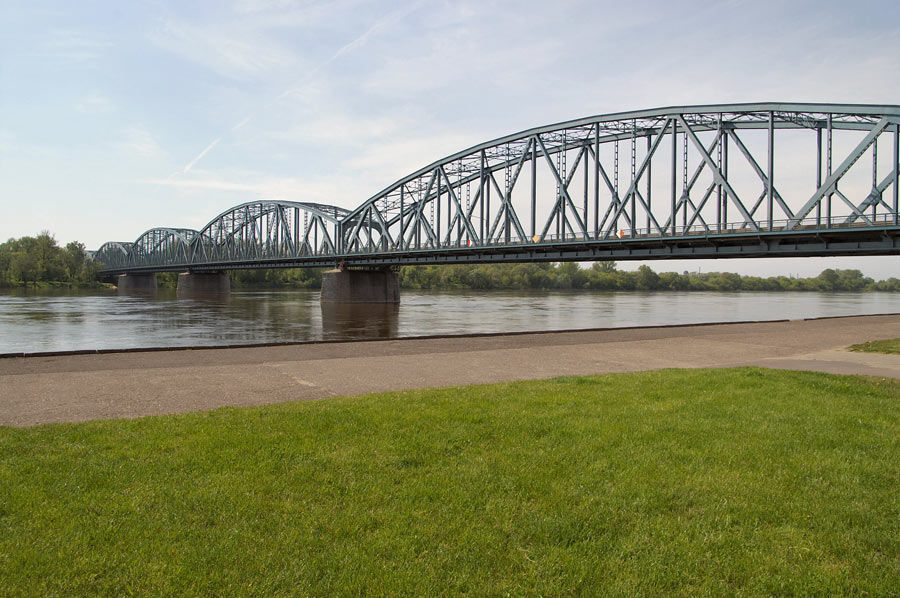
38	321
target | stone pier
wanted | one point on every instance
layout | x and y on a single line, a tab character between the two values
140	284
203	284
360	286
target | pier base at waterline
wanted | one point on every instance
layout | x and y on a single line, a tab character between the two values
360	286
203	284
136	284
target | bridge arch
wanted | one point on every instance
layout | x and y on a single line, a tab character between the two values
164	247
600	178
269	230
725	180
114	254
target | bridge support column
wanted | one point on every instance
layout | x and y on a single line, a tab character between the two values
360	286
136	284
202	284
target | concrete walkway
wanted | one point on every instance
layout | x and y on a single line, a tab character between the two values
37	390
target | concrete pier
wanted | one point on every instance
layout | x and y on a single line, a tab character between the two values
203	284
360	286
136	284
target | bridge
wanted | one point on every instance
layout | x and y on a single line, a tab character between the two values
715	181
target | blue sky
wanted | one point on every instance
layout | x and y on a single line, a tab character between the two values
116	117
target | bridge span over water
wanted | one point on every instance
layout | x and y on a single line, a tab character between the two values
735	180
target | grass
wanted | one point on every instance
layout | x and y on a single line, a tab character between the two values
890	346
682	482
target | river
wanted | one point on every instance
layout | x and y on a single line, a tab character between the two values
39	321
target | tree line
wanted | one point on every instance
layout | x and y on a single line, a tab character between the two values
41	261
604	276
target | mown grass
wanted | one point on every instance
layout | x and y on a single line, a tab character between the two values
890	346
679	482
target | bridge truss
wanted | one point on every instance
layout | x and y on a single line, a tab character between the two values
736	180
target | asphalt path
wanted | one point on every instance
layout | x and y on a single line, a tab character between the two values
62	388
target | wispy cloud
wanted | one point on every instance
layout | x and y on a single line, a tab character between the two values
347	48
204	183
72	47
94	103
255	185
138	141
229	50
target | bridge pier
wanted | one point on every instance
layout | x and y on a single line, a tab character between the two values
202	284
360	286
136	284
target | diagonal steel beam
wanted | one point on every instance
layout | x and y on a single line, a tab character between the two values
614	197
762	175
637	178
692	182
564	191
507	207
829	185
459	209
875	197
717	173
852	206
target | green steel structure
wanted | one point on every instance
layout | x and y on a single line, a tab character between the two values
735	180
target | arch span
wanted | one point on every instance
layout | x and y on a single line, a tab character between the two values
114	254
267	230
164	246
716	168
724	180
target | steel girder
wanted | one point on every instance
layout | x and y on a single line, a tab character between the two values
269	229
162	246
114	254
673	179
598	178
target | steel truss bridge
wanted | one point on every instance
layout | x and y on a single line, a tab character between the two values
736	180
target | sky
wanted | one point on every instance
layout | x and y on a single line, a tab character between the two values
117	117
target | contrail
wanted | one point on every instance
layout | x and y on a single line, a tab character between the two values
201	154
387	21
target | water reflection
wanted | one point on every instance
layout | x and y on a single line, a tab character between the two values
360	320
125	291
64	320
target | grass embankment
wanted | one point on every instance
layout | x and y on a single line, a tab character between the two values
724	482
890	346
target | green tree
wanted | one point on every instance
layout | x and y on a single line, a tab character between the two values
608	267
647	279
24	267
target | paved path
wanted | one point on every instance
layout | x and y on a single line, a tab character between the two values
37	390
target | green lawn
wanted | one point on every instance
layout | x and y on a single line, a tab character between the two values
891	346
679	482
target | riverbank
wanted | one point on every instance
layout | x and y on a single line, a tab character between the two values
48	389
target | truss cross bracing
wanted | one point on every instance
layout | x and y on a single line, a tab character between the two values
737	180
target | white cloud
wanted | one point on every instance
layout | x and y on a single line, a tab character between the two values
139	142
232	50
301	87
72	47
255	185
94	103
